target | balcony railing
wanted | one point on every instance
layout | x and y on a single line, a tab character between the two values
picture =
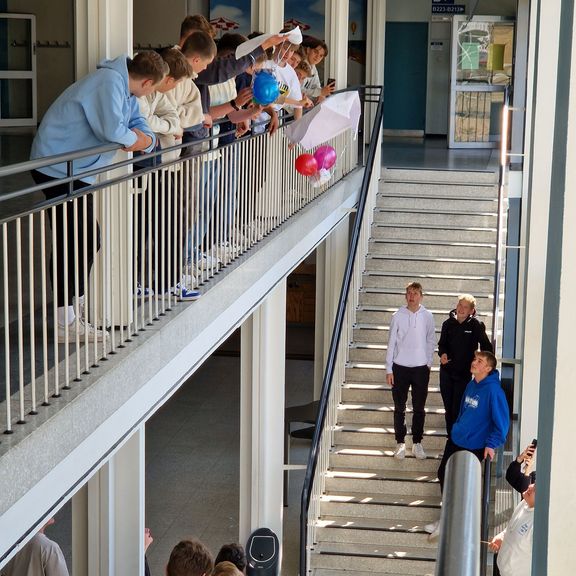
151	231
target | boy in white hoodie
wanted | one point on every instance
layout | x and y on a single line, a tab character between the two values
411	345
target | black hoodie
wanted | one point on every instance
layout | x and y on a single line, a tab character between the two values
460	340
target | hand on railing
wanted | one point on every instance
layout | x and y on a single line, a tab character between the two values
143	141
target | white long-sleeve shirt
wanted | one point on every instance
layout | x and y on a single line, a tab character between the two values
515	555
412	339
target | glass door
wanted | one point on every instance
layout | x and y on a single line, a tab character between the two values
482	66
17	70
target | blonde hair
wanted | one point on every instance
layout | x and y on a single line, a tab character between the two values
414	286
226	568
468	298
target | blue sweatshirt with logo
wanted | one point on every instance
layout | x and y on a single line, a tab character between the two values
96	110
484	415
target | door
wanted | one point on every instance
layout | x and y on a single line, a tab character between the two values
405	71
17	70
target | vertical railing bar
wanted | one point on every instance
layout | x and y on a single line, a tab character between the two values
76	297
32	304
20	321
44	306
7	329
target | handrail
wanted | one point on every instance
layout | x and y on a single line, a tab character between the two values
336	333
459	548
502	169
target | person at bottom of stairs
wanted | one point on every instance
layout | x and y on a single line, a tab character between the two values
411	345
483	422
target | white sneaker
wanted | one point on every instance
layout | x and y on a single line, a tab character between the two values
418	451
206	261
143	291
400	451
434	535
432	527
80	333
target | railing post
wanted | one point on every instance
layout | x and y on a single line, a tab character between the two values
485	527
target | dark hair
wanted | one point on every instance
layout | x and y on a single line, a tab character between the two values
179	66
232	553
189	558
229	42
254	34
196	22
488	356
313	42
147	65
199	44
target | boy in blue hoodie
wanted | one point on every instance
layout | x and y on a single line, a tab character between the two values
483	421
99	109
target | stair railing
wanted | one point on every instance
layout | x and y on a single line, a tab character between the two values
334	374
500	245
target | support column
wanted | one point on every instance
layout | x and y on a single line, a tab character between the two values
330	265
263	366
336	35
554	527
108	516
268	17
541	105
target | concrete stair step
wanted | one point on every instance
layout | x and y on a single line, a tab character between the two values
436	203
381	560
432	300
426	232
388	531
347	457
429	264
382	437
382	393
432	248
376	354
383	414
374	505
456	190
447	218
368	372
378	318
435	282
406	483
373	333
463	177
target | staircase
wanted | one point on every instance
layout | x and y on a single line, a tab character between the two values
437	228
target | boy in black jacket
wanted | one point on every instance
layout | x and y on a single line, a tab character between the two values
461	336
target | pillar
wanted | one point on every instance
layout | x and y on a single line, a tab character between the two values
108	516
336	35
262	365
331	258
554	528
268	16
541	104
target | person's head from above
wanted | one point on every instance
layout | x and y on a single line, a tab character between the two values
303	71
257	65
190	558
146	71
195	22
48	522
483	364
414	296
466	307
148	539
529	495
232	553
179	68
199	49
228	43
226	569
316	50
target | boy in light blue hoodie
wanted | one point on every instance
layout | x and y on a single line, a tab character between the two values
99	109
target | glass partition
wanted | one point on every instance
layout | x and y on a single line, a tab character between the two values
482	68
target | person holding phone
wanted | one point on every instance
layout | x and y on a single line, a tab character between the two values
520	473
315	51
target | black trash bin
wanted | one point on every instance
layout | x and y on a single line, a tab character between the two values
263	553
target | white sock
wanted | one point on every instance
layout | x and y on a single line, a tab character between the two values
66	315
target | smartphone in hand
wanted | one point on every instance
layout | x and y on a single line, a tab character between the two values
331	81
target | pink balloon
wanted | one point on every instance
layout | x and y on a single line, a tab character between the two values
325	157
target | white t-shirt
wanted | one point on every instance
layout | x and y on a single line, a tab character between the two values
515	555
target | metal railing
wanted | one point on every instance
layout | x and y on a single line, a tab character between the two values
151	231
335	367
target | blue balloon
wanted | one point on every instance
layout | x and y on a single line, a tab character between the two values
265	89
